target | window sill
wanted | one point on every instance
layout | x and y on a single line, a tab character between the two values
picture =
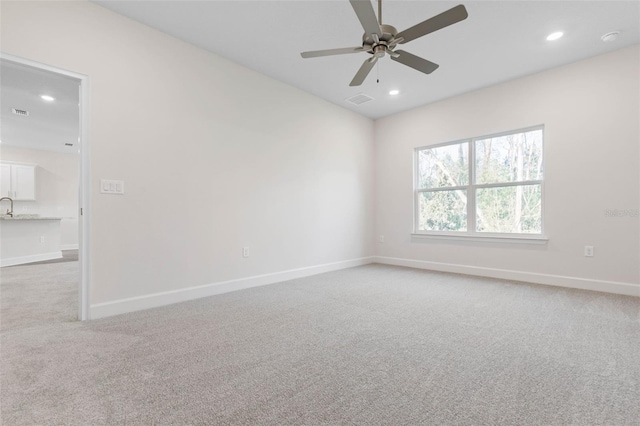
483	238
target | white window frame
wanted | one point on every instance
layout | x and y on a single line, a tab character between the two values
471	234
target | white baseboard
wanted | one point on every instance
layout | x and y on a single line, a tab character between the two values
132	304
627	289
69	247
12	261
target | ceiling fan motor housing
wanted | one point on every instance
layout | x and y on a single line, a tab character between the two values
370	45
379	51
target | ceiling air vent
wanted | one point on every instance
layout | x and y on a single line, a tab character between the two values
17	111
359	99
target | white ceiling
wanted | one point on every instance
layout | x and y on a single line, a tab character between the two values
499	41
50	124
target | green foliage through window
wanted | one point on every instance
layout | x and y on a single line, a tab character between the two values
443	210
509	209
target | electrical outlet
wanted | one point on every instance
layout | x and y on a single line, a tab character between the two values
381	238
588	251
42	239
245	251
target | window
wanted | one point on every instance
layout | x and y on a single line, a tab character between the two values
486	186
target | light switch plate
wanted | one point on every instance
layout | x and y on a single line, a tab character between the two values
108	186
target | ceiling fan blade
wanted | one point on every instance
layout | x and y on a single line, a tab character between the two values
415	62
363	72
366	15
330	52
450	17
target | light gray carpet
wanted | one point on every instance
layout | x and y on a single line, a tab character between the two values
38	294
373	345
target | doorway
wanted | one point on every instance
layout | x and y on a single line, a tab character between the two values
44	157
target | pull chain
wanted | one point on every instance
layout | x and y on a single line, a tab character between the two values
378	72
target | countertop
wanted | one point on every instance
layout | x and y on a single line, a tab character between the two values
28	217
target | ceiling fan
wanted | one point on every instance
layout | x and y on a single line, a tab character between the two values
380	39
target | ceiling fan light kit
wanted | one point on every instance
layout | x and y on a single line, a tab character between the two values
381	39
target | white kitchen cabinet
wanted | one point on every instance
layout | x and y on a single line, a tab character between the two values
18	181
5	180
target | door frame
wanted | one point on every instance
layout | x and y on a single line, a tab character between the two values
84	190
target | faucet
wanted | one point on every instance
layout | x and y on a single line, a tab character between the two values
9	211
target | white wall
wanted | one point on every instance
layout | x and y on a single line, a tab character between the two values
591	114
214	157
56	188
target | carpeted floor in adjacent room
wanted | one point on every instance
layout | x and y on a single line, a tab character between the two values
373	345
39	293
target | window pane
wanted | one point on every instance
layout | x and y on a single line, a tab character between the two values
443	166
509	209
510	158
443	211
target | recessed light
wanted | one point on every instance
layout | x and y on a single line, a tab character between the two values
612	36
48	98
555	36
393	92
